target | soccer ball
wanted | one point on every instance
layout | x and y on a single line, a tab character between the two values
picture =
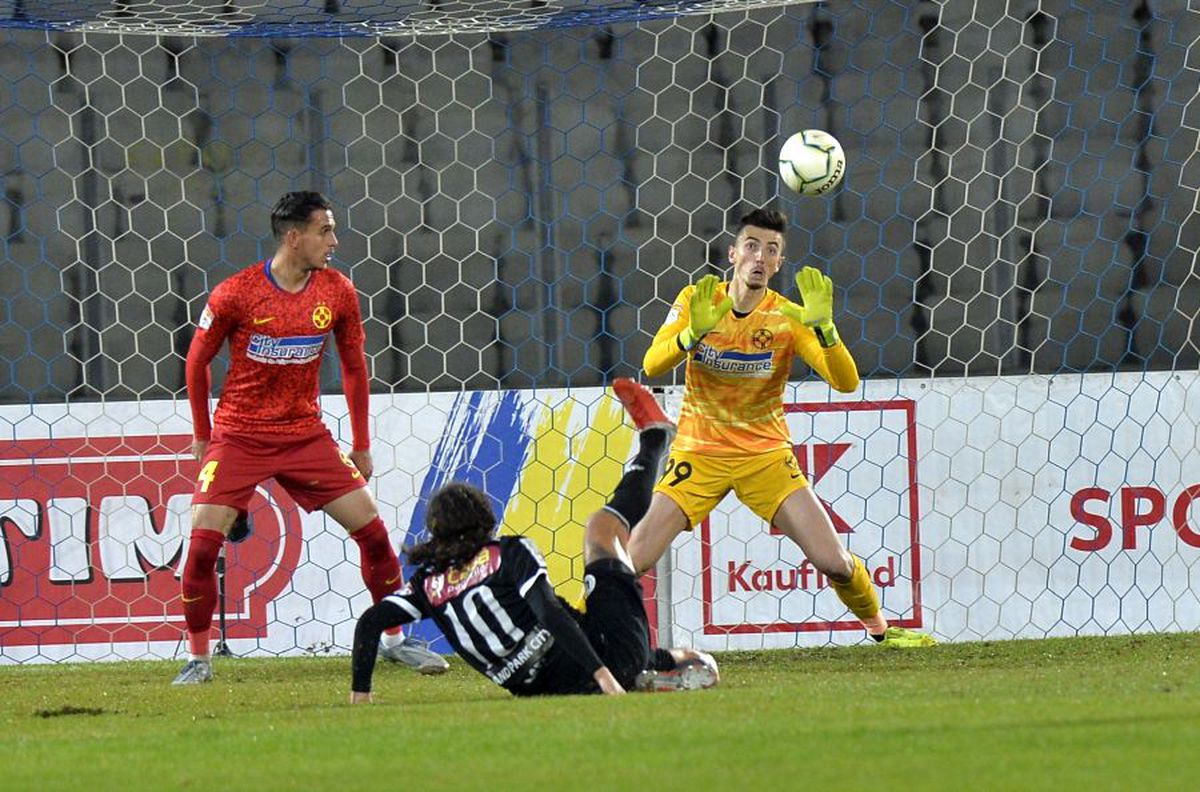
812	162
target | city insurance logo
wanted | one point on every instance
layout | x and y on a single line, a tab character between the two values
861	460
93	533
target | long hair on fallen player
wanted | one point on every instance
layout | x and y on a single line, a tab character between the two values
459	521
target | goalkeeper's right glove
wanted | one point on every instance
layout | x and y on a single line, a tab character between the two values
704	314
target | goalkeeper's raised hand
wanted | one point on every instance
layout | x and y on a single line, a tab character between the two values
816	292
704	313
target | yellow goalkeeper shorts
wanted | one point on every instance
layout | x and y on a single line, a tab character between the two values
762	481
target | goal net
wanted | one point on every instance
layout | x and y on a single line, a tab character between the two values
524	187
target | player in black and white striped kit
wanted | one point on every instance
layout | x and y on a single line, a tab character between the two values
493	600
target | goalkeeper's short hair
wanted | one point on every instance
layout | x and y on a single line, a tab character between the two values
770	219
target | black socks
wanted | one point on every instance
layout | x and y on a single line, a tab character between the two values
631	498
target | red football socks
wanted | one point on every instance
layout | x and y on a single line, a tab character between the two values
380	566
199	589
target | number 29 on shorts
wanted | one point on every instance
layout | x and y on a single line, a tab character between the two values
675	473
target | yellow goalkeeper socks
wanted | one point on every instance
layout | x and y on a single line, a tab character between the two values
859	595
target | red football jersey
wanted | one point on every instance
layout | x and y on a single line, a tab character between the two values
276	340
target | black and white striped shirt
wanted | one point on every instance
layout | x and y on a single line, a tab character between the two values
486	609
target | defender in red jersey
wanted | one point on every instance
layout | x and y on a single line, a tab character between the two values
277	316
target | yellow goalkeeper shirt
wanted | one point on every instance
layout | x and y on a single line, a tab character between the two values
733	394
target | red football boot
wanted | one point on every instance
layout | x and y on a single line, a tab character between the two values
641	405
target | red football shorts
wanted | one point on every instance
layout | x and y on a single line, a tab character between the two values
312	469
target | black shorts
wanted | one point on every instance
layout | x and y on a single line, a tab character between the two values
615	622
615	625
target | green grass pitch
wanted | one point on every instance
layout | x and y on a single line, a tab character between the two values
1065	714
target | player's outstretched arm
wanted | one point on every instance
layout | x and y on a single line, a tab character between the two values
823	349
693	316
608	683
379	617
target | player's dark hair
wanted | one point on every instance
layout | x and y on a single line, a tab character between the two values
460	521
770	219
293	209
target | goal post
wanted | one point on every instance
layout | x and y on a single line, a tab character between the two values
522	189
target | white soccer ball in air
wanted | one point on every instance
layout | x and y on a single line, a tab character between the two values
812	162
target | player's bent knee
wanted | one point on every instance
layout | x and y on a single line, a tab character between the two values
604	537
214	516
839	570
353	510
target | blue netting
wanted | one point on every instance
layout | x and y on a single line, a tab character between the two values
339	18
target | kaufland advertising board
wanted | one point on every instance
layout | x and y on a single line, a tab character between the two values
983	508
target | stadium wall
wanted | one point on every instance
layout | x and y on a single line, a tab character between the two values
984	508
519	209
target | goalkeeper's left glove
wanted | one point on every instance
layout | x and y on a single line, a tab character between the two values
816	292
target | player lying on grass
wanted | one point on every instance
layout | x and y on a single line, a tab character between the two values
493	601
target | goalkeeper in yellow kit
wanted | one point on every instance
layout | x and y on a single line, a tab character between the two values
739	339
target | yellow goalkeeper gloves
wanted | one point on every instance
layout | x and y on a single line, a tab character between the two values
816	292
704	313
